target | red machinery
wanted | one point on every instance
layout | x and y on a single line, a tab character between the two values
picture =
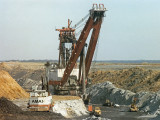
65	77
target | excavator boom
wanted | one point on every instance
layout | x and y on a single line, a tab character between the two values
94	21
64	77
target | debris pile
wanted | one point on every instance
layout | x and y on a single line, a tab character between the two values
27	83
26	74
9	88
10	111
134	79
70	108
7	106
146	101
156	118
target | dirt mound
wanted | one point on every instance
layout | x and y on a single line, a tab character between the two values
70	108
7	106
134	79
146	101
9	88
10	111
4	66
26	74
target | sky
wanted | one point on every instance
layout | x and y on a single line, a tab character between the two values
130	30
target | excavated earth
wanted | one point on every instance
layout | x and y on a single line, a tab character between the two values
140	77
126	82
10	111
9	88
134	79
27	74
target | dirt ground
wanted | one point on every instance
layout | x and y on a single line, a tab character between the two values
59	98
134	79
26	74
10	111
9	88
32	116
115	113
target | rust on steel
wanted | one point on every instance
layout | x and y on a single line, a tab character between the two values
76	52
54	82
94	21
92	44
80	65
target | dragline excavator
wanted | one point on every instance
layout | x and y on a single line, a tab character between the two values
69	76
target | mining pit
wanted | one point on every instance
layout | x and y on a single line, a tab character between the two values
118	83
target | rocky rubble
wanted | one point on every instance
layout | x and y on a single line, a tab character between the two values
134	79
146	101
27	83
157	117
95	118
26	74
7	106
70	108
10	111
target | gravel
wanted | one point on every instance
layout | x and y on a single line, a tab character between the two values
7	106
146	101
10	111
70	108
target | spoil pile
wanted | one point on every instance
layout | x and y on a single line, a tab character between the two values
70	108
10	111
7	106
156	118
146	101
26	74
9	88
134	79
4	66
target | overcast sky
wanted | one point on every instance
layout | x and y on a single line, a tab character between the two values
130	30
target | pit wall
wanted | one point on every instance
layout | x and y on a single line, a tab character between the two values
70	108
146	101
